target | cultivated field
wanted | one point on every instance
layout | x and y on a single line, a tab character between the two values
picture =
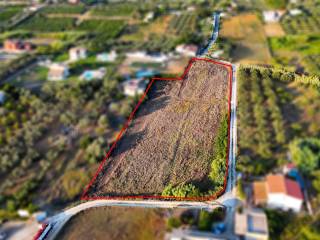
171	139
249	37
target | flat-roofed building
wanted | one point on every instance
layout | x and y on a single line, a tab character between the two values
251	224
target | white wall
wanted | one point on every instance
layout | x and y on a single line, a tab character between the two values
284	202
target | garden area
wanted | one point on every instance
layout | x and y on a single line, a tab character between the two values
296	50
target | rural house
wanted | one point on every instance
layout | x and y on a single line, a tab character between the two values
272	16
189	50
277	191
251	224
77	53
12	45
142	56
93	74
134	87
107	57
2	97
149	16
58	72
295	12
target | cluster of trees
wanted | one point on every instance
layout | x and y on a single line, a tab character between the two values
263	129
218	164
182	190
305	154
286	225
260	120
38	131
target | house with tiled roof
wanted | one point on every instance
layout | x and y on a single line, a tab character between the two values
277	191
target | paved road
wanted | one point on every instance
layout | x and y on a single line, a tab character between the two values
59	220
214	34
227	200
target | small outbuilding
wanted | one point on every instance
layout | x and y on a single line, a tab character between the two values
57	72
134	87
189	50
77	53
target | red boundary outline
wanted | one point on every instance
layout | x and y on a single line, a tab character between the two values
206	198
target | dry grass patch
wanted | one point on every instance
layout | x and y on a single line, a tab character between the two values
274	30
171	139
248	33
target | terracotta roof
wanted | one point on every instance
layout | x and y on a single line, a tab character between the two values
280	184
293	189
276	184
260	191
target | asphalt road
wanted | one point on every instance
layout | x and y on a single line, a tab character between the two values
214	34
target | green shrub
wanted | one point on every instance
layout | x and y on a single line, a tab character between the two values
173	222
182	190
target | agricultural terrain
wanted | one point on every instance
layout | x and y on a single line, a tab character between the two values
116	223
177	139
247	33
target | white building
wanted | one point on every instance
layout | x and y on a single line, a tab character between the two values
77	53
134	87
272	16
2	97
142	56
295	12
58	72
107	57
251	224
149	16
189	50
23	213
278	192
93	74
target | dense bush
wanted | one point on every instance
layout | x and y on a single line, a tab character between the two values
306	154
183	190
218	164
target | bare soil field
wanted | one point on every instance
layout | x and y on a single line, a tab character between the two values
250	39
171	138
274	30
116	223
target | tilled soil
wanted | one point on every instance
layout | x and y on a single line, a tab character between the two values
171	139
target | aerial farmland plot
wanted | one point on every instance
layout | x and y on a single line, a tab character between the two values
175	145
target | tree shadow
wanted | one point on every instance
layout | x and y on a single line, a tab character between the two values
157	98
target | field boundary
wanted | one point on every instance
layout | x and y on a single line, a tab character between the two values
107	155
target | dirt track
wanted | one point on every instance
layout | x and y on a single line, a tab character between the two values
171	138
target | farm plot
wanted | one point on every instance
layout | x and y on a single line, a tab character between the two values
251	46
182	23
305	23
172	139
